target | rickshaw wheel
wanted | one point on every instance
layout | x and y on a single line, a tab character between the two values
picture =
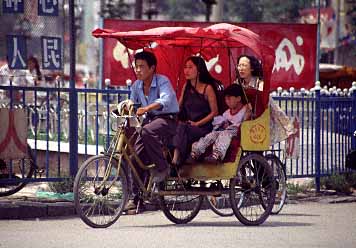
280	176
180	209
221	204
100	207
252	191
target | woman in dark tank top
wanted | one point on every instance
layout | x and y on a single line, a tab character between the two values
198	106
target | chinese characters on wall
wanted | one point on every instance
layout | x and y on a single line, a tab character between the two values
51	46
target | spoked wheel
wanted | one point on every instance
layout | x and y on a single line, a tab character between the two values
63	110
34	120
98	203
252	191
221	204
180	208
281	182
65	124
52	123
13	174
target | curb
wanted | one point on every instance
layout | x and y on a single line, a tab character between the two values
326	196
32	209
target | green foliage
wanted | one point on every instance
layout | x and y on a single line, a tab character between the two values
342	183
114	9
63	186
351	178
243	11
295	188
237	10
181	9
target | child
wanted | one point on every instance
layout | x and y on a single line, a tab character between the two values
225	126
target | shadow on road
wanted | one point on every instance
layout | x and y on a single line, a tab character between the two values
296	214
228	224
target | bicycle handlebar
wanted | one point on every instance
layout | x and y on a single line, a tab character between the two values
130	118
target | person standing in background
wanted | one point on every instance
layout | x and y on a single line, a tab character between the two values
33	75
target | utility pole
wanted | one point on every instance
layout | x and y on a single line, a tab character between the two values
151	9
337	32
209	4
218	11
317	44
138	9
73	100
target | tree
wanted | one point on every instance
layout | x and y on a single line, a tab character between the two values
238	10
114	9
285	11
181	9
243	11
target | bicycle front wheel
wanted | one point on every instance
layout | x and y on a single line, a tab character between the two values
14	174
280	176
100	202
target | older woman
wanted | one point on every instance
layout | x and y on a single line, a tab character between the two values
249	75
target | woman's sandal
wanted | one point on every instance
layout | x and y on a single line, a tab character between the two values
194	155
213	159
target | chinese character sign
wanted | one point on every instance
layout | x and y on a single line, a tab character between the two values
47	7
13	6
51	53
16	51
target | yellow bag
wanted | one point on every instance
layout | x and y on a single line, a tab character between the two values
255	134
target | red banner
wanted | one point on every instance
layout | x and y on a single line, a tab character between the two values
294	44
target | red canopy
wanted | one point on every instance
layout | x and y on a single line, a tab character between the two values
207	41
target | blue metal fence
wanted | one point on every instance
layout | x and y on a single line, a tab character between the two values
327	120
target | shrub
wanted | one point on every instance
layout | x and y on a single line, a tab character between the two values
351	178
295	188
63	186
337	182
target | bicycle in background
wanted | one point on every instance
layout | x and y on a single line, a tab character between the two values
15	169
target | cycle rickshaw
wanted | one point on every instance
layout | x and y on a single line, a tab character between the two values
101	186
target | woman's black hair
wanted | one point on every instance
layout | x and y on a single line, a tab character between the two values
205	77
235	90
256	66
37	66
203	73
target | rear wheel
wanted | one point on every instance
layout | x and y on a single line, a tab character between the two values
221	204
280	176
180	208
98	203
252	191
13	173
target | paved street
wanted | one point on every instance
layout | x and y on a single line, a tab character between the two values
299	225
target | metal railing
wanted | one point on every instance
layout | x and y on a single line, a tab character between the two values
327	121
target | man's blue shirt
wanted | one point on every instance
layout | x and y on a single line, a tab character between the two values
161	91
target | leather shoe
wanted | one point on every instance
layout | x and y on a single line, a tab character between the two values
130	205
